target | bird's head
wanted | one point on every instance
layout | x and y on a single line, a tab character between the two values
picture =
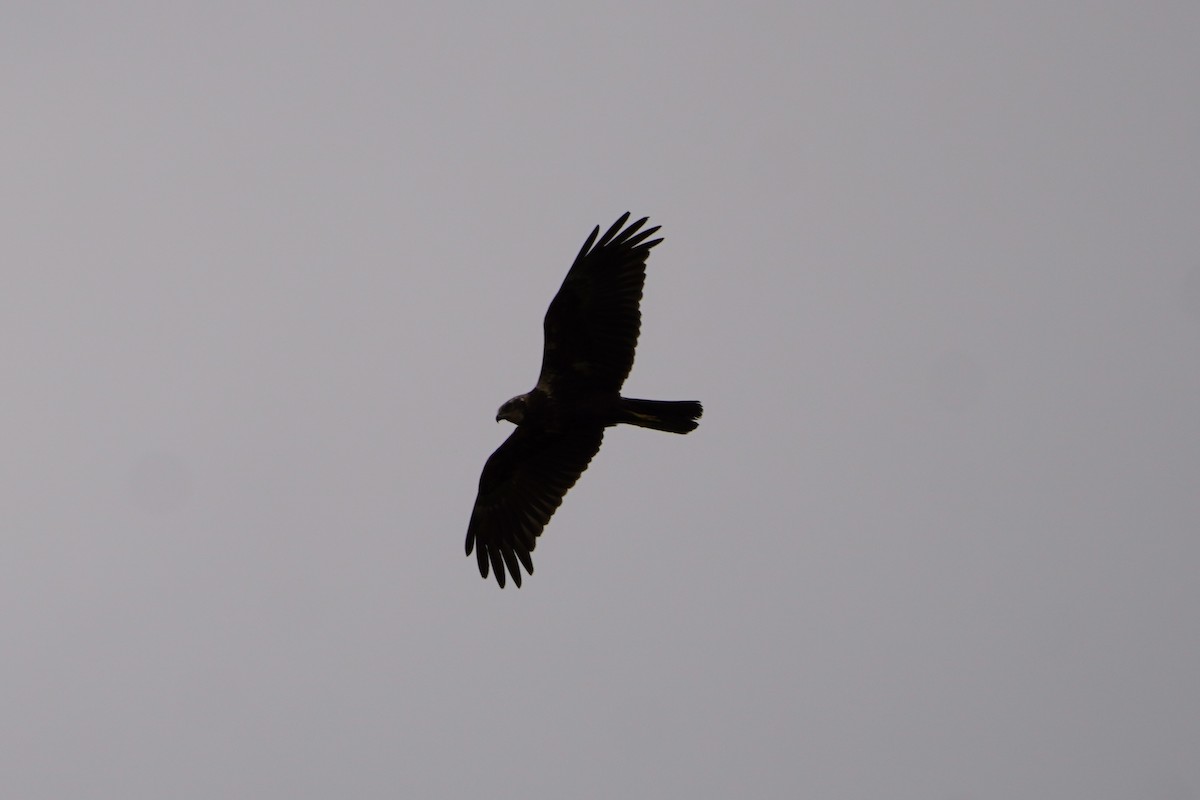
513	410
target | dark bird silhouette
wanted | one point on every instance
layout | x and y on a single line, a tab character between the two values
591	330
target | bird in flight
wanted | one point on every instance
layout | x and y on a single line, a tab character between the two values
591	330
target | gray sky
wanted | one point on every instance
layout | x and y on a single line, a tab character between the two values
933	270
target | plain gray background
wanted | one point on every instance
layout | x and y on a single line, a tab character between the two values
933	269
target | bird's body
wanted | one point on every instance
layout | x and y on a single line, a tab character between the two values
591	331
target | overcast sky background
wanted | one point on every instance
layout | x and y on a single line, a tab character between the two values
933	269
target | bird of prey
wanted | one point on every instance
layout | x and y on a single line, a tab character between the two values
591	330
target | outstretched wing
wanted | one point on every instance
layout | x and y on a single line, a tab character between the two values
592	325
522	485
